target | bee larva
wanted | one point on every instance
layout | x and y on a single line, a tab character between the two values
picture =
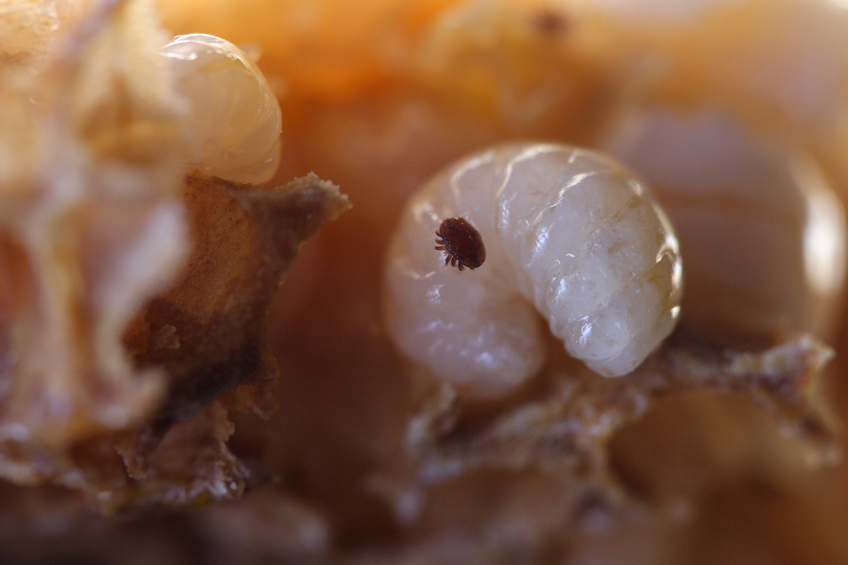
234	118
763	233
568	231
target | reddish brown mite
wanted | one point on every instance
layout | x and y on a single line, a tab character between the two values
461	243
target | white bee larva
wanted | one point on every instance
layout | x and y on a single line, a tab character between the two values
762	232
234	118
566	230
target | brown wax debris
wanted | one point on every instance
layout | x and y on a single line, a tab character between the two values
205	336
566	432
246	238
131	297
87	235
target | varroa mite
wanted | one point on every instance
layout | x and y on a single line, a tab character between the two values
462	244
570	234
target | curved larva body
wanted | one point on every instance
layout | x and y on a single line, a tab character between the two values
567	231
234	117
762	231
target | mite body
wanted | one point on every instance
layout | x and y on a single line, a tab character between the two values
462	244
569	234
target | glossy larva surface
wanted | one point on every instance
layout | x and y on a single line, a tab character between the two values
762	232
570	235
234	117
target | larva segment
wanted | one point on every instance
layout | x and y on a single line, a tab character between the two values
762	230
233	115
570	235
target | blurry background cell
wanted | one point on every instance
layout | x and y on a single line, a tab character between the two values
761	231
377	96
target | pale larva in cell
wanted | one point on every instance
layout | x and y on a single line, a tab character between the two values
762	231
234	119
569	234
